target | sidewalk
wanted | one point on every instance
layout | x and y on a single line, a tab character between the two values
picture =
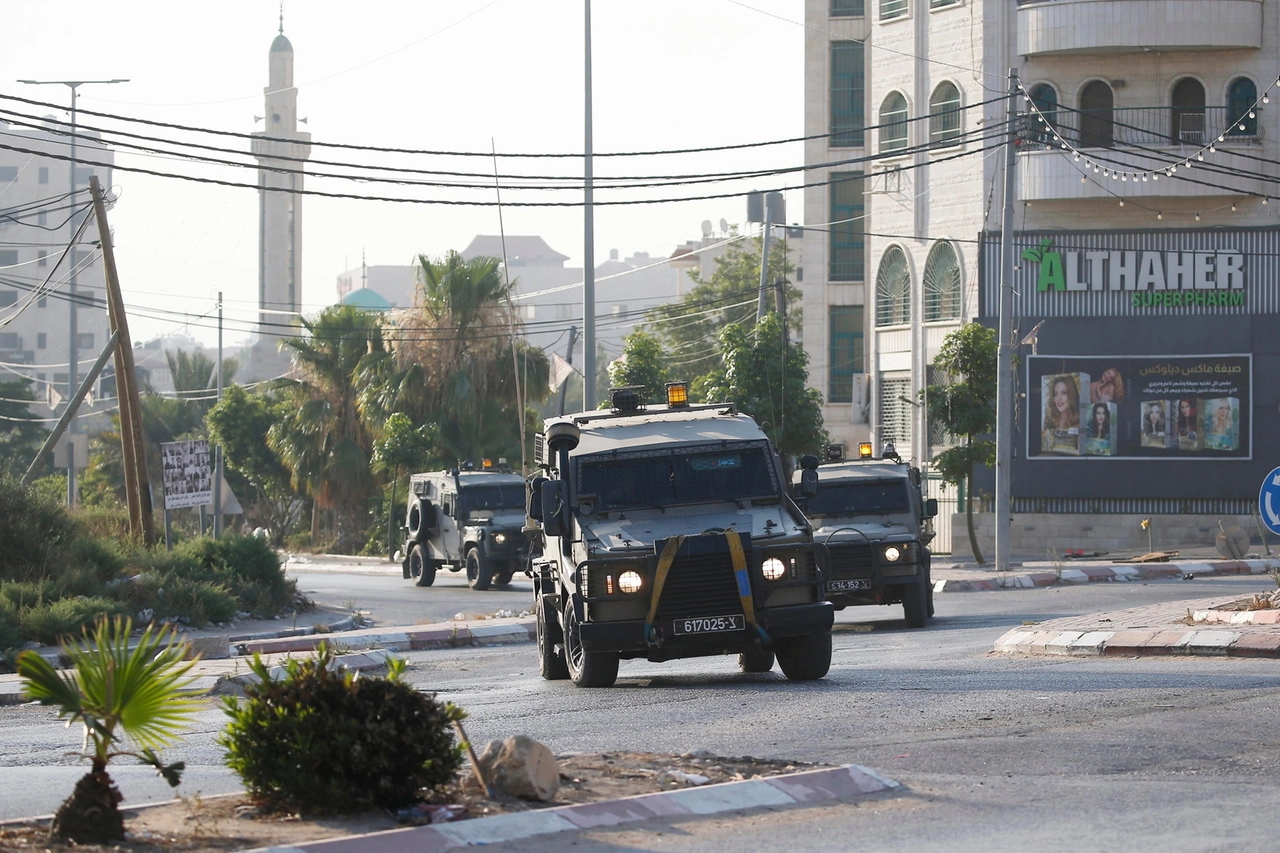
968	577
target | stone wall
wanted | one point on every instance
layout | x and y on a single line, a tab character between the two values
1034	535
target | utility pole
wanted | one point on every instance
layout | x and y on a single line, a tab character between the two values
217	449
589	243
72	354
573	336
135	452
1004	352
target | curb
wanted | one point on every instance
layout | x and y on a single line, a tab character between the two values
1198	642
804	788
491	632
1096	574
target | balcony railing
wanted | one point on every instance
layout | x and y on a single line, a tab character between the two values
1139	127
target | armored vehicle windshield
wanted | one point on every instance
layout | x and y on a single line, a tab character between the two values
495	497
860	497
665	477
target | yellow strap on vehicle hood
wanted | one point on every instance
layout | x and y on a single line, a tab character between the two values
665	559
743	578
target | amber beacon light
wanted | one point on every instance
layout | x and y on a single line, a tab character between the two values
677	395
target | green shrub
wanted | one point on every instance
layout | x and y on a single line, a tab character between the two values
109	521
247	566
52	622
36	531
323	741
196	602
10	627
24	594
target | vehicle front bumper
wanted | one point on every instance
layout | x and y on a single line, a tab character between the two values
777	622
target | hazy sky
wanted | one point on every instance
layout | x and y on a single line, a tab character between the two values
456	76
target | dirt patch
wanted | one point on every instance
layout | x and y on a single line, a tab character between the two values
224	823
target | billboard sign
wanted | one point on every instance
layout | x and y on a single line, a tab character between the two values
186	474
1140	407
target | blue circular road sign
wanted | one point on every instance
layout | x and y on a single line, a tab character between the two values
1269	501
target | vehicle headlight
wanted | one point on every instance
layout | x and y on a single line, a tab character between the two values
773	568
499	538
630	581
893	554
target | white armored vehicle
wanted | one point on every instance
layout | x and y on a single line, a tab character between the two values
468	520
872	518
666	532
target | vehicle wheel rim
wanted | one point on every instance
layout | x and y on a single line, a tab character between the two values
472	574
572	642
415	565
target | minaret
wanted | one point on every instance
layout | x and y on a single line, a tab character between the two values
279	199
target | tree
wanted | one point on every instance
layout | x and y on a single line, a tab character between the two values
641	363
768	382
240	423
458	362
21	433
691	328
966	406
323	439
118	689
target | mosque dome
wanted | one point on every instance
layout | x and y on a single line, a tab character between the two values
281	45
366	299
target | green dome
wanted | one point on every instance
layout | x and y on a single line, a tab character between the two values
281	45
369	300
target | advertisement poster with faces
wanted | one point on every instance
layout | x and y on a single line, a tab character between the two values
1148	407
186	473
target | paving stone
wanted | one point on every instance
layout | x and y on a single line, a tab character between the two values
1207	642
1061	644
1127	642
1256	646
1091	642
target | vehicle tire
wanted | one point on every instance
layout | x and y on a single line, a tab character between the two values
479	572
586	669
805	658
502	579
915	604
759	659
421	569
550	662
420	517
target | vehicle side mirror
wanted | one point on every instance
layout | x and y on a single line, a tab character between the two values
534	506
553	506
808	483
809	462
931	508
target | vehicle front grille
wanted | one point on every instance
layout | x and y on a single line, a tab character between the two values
850	561
700	581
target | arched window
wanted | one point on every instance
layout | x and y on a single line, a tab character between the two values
1097	124
944	115
1188	112
893	289
941	284
1045	99
893	123
1241	97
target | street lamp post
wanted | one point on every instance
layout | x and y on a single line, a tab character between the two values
71	282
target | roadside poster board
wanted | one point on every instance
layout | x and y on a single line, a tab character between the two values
186	473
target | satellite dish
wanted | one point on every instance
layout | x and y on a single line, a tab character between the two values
706	228
724	226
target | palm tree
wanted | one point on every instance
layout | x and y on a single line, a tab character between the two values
115	692
327	444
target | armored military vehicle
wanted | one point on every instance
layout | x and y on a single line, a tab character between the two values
465	520
876	525
668	531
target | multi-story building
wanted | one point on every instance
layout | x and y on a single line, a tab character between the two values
1143	239
40	277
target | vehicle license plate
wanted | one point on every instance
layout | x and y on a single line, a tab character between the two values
709	624
838	586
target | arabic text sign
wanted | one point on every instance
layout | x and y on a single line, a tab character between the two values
186	473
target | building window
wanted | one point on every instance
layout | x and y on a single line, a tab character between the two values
848	245
9	340
42	302
893	289
848	8
1097	120
944	115
44	174
848	84
8	257
8	297
895	414
84	340
1045	99
59	379
42	218
845	351
42	260
8	173
939	4
42	340
893	123
890	9
1188	112
941	284
1242	97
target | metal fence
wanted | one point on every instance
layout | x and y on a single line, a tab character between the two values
948	505
1138	127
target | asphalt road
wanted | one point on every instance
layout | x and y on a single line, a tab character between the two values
996	752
